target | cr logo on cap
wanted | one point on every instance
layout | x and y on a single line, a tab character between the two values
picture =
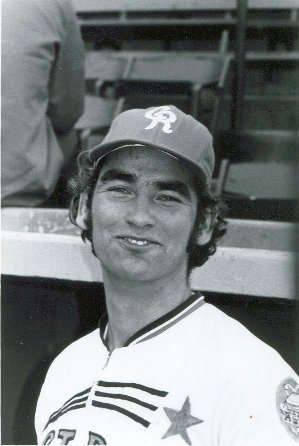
162	115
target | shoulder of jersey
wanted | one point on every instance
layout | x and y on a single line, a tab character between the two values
78	351
232	336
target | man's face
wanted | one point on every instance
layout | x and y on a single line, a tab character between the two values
143	211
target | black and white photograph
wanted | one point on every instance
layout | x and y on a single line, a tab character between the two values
149	222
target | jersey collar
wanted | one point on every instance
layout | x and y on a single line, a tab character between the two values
161	324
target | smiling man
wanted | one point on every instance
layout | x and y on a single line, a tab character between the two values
164	367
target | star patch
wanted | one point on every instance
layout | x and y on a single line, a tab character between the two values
287	400
181	420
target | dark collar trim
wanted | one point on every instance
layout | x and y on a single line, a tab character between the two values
103	325
160	324
163	319
171	322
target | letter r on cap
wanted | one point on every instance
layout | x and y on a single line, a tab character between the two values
162	115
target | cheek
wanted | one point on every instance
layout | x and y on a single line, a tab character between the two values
104	214
180	227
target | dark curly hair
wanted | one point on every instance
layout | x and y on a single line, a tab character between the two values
85	182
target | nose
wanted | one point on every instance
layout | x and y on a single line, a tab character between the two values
139	213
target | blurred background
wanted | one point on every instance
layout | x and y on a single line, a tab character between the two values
232	64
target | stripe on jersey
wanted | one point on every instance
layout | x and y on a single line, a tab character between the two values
134	386
131	399
71	404
120	398
74	407
125	412
83	393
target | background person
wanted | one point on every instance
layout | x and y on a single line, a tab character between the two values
42	96
164	367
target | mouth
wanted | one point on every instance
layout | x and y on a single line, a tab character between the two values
134	241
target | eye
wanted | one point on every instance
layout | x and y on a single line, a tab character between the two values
119	189
119	192
167	198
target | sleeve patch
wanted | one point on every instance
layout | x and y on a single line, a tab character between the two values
287	402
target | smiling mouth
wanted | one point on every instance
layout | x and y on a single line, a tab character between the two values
137	242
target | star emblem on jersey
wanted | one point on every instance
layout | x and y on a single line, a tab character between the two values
181	420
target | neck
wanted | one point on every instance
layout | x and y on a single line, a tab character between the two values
131	306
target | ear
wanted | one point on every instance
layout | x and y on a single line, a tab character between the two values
206	229
82	211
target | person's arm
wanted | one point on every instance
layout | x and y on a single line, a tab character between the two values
256	409
66	88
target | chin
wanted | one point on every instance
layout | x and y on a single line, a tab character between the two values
136	275
138	272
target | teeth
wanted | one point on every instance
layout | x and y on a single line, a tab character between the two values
137	242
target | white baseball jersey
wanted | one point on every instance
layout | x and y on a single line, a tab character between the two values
195	376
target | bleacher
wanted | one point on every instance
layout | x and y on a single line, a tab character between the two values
142	53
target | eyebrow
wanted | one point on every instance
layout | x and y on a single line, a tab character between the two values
171	185
115	174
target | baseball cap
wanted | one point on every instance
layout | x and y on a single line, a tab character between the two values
165	128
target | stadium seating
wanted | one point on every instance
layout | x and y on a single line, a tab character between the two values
95	121
192	82
258	173
166	78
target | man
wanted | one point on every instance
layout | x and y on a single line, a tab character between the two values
164	367
42	96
